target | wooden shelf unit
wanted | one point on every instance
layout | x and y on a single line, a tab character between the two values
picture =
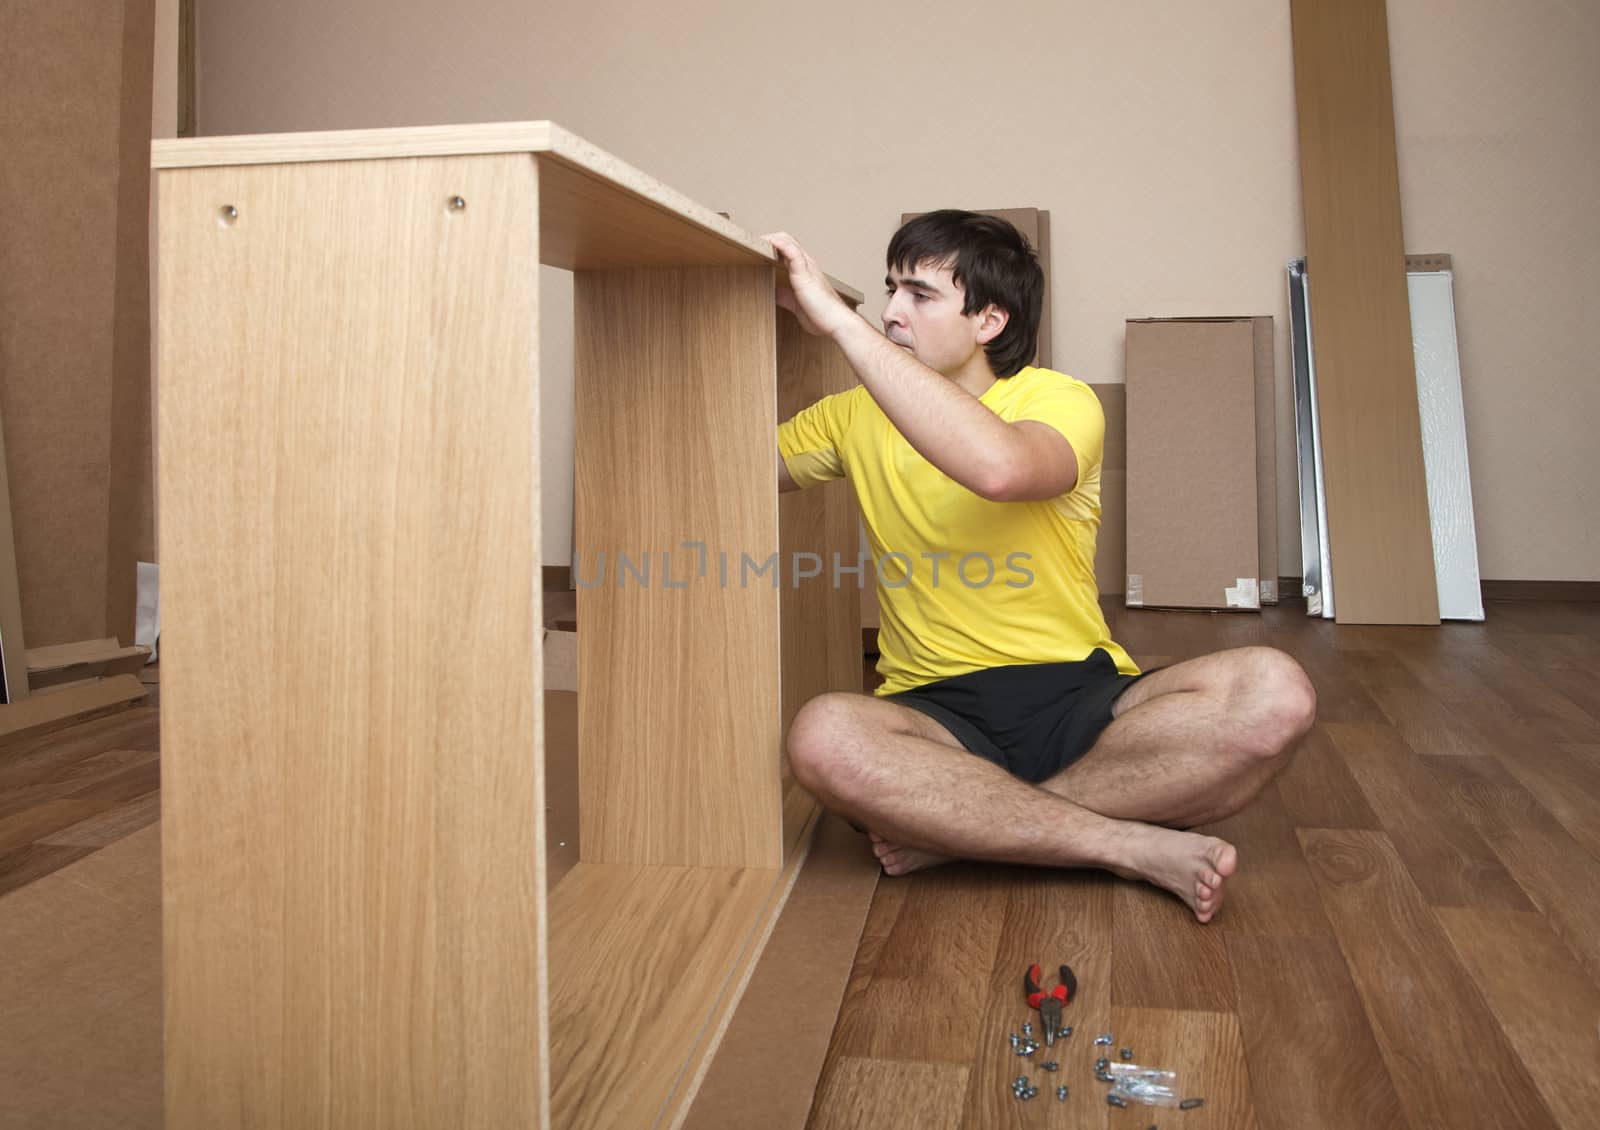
356	924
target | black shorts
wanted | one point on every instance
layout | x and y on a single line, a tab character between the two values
1032	719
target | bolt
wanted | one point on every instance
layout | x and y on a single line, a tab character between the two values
1027	1029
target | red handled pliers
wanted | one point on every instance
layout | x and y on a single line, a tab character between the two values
1050	1003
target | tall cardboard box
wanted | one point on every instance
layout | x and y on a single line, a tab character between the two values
1193	533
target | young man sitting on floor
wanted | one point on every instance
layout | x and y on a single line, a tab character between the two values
1010	727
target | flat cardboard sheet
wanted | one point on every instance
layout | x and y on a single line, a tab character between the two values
766	1069
1266	457
75	358
1193	535
80	993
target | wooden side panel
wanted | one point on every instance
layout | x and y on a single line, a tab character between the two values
1382	548
819	539
352	789
678	692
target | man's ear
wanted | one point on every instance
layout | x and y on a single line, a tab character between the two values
992	320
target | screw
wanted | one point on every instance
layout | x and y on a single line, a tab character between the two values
1105	1077
1052	1066
1103	1038
1067	1031
1190	1104
1126	1053
1015	1039
1061	1093
457	203
1102	1063
1116	1100
1027	1029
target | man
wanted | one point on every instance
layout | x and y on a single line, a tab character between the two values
1010	726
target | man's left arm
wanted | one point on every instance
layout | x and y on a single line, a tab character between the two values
949	427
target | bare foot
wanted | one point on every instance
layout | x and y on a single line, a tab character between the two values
899	860
1191	866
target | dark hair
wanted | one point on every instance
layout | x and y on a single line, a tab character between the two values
993	263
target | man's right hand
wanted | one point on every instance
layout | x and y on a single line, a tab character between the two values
807	293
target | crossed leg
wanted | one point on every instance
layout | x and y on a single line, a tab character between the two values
1187	745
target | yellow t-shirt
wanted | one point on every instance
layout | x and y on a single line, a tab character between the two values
965	583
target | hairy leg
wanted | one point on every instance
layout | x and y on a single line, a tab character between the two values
1193	743
869	760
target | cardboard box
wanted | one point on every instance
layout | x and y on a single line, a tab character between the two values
1193	532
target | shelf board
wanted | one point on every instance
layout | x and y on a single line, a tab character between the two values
647	964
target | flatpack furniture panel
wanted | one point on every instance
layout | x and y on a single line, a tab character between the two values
677	674
352	794
819	542
1377	501
356	926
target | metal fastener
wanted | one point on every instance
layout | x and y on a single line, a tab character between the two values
1190	1104
1105	1077
1067	1031
1027	1029
1116	1100
457	203
1102	1064
1061	1093
1127	1053
1103	1038
1051	1066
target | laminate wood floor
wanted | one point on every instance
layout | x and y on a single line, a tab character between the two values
1412	938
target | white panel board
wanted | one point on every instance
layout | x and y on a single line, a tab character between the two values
1444	444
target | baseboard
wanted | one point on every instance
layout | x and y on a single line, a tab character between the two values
1574	592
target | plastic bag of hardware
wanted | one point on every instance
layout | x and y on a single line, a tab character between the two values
1151	1086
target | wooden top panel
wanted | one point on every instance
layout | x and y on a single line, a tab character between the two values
598	213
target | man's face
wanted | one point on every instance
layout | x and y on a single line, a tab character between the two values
924	315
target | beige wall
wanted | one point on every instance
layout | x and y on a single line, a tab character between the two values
1160	137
